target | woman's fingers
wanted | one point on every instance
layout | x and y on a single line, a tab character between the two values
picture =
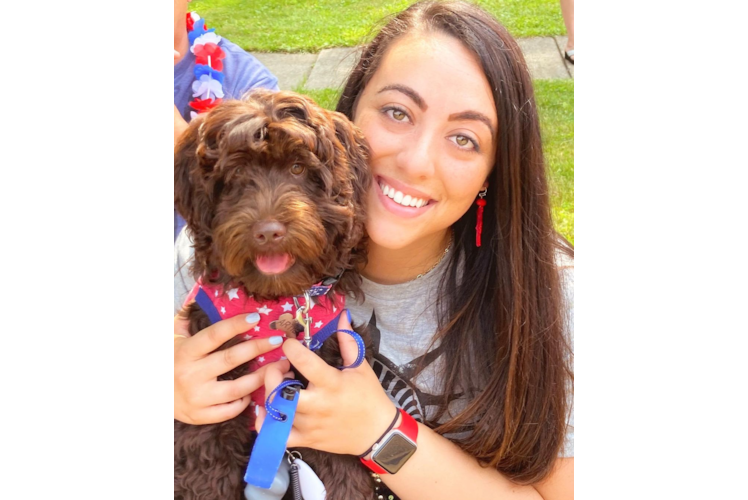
225	360
181	328
348	345
309	364
222	412
230	390
214	336
224	399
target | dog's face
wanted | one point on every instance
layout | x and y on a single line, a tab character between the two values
272	189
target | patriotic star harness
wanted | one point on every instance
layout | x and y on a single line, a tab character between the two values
286	316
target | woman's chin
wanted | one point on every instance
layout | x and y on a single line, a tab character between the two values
389	236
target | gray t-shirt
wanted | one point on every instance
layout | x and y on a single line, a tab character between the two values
402	320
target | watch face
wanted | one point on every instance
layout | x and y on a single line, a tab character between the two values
393	454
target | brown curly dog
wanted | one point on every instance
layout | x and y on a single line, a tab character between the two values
272	189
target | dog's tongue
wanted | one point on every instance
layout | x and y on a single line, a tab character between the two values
274	263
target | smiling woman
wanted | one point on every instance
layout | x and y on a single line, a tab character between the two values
431	145
471	341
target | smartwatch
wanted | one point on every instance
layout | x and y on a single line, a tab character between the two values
394	448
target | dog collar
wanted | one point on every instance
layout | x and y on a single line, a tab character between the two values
324	286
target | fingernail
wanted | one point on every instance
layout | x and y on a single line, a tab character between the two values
349	316
252	318
275	340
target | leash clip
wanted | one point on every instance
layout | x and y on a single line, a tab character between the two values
307	321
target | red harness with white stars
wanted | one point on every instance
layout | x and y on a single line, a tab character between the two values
277	317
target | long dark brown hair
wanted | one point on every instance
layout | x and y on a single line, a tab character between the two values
501	307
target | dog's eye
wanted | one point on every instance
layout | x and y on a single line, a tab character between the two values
297	169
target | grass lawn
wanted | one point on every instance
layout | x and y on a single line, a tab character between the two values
304	26
555	99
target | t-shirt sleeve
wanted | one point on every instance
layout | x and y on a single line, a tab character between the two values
243	72
183	282
567	277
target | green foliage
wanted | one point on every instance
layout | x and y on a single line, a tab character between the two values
555	100
309	26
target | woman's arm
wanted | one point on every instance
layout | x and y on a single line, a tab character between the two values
346	411
439	469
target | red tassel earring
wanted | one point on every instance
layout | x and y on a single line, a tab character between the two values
479	226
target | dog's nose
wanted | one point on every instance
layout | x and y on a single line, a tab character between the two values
269	232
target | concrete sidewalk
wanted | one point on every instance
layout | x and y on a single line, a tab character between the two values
329	68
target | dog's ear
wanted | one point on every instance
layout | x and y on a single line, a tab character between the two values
195	185
185	164
360	178
357	152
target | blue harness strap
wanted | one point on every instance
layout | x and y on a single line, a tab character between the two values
324	333
207	306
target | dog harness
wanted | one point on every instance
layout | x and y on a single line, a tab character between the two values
277	317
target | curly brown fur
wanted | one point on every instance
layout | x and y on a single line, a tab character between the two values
233	172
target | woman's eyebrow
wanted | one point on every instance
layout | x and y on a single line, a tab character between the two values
474	115
407	91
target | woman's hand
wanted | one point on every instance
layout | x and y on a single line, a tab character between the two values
341	411
199	397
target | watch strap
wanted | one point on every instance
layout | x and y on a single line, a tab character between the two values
408	427
389	428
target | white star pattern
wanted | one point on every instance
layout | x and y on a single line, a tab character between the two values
257	411
261	359
223	310
215	294
264	310
233	293
317	324
334	309
247	336
257	328
287	307
283	357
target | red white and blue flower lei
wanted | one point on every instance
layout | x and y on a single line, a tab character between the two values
208	86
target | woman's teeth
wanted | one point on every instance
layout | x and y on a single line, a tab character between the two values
398	197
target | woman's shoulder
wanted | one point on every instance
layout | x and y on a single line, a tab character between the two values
565	266
564	256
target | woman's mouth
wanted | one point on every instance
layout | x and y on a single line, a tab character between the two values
398	197
402	201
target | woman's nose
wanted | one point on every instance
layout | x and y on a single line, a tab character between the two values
417	155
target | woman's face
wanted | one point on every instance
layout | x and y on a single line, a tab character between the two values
430	120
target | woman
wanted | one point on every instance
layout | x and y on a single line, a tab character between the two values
470	338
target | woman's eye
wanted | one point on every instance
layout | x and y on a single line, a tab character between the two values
397	114
465	142
297	169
